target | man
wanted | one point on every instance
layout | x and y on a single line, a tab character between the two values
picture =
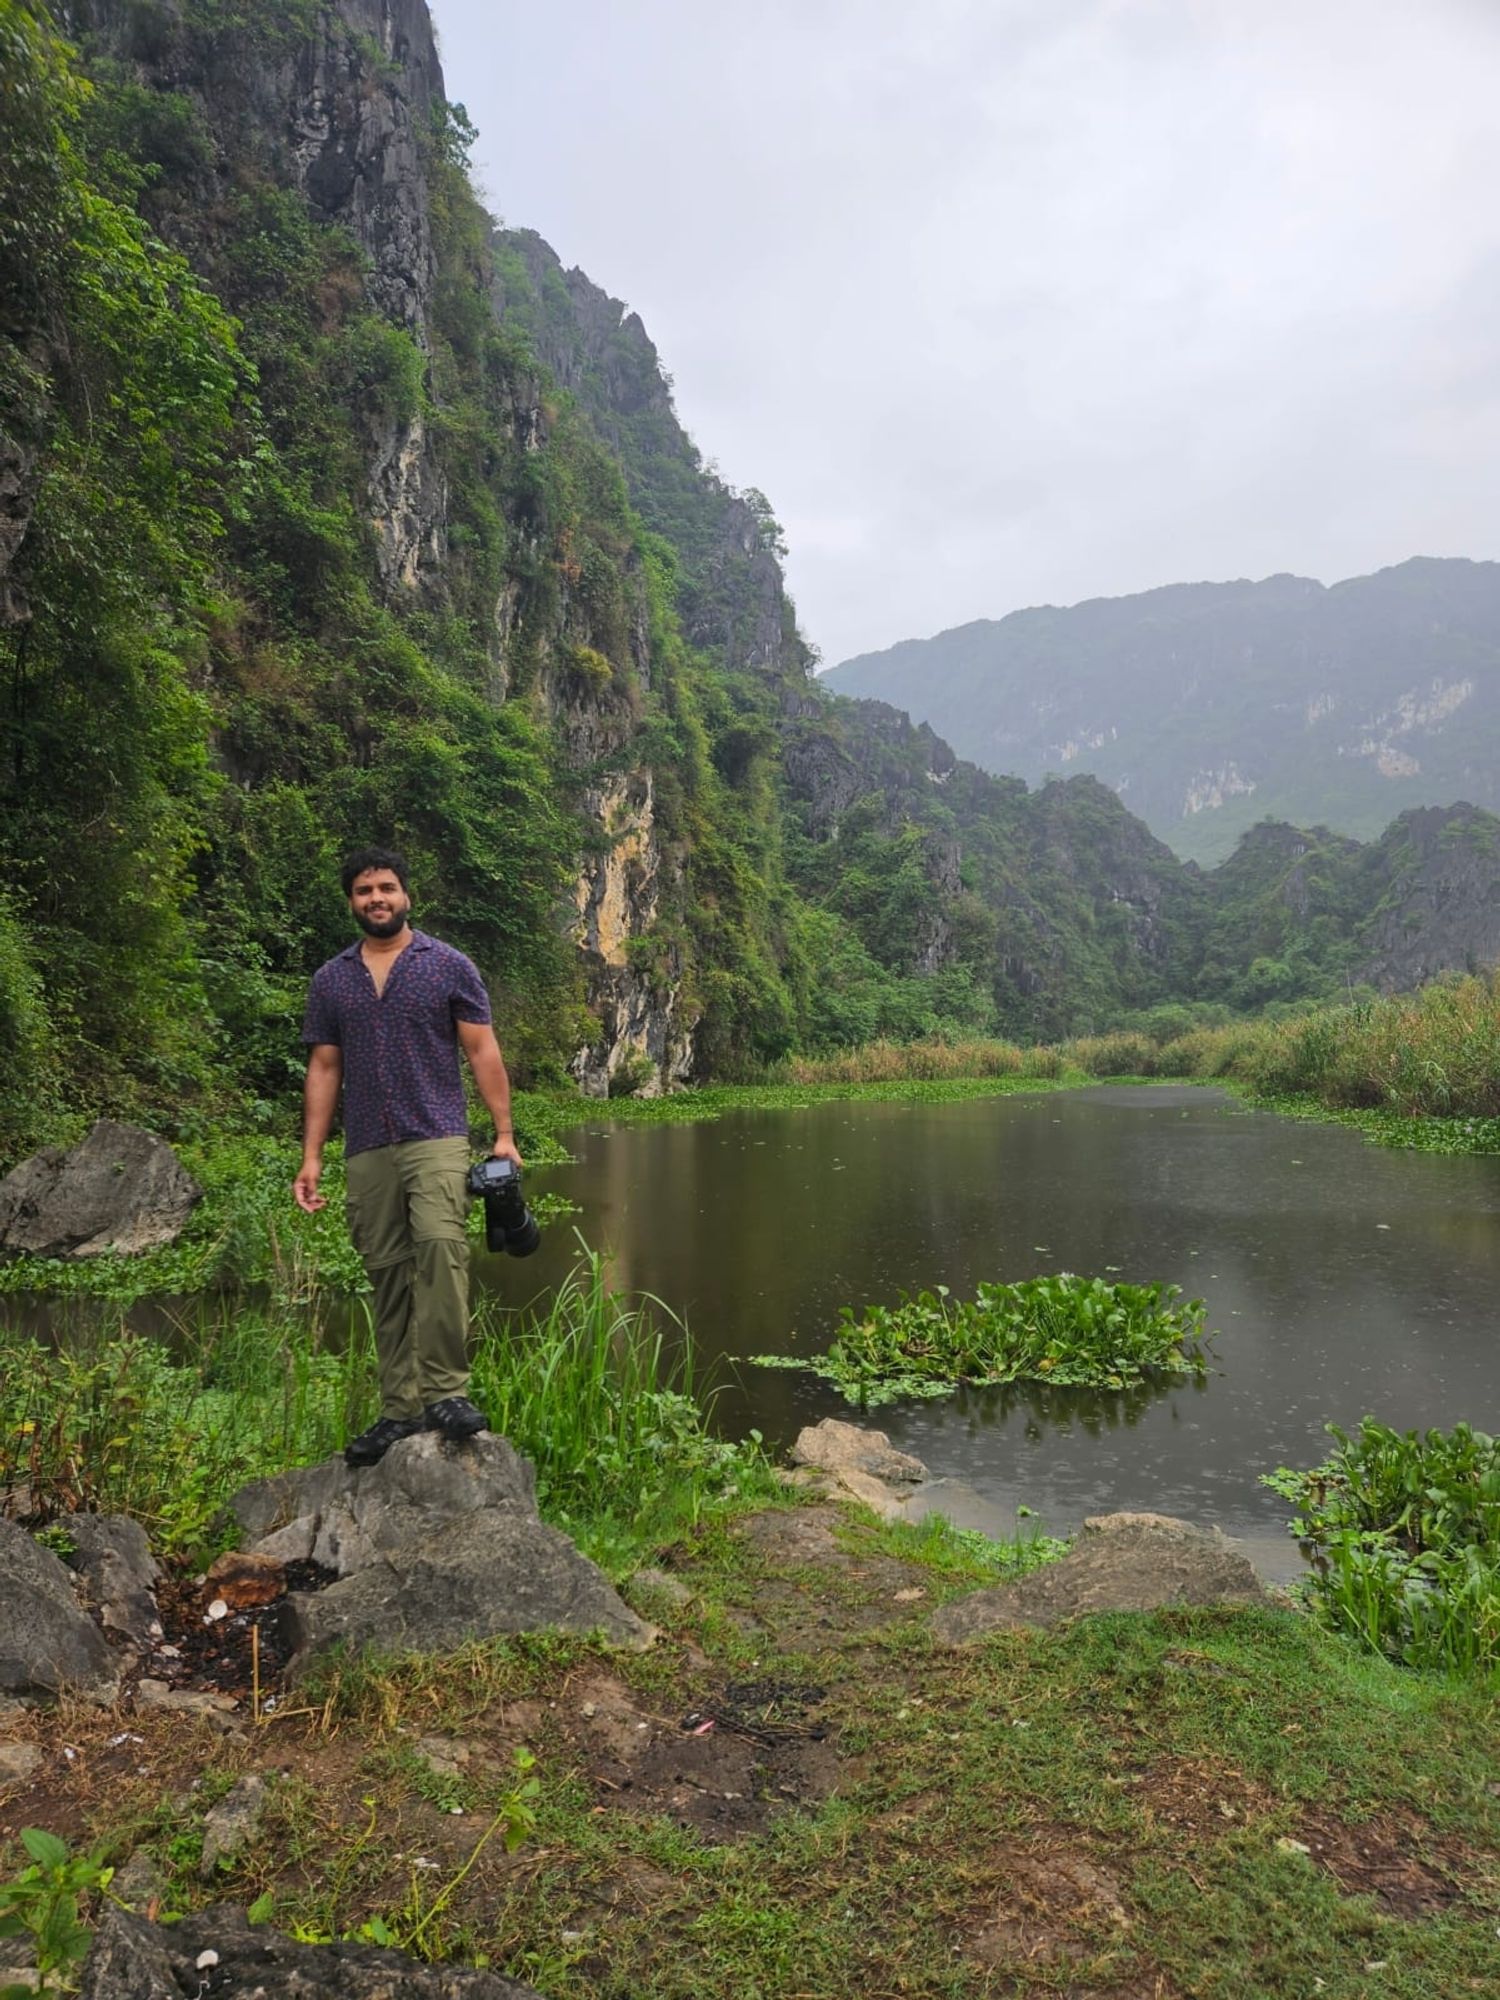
385	1020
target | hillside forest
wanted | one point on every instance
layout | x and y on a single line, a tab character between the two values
331	511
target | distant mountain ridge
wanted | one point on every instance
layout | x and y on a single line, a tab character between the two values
1211	706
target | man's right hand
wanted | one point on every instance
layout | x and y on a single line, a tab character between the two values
305	1187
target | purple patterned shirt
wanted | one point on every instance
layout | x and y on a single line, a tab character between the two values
401	1071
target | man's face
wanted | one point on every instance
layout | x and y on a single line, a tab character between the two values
379	902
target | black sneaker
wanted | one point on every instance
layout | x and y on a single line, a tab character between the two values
455	1417
372	1445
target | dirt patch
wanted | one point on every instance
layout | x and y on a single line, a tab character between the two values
1199	1796
1044	1904
218	1654
852	1593
723	1767
1382	1858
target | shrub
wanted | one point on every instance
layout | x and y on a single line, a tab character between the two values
1404	1533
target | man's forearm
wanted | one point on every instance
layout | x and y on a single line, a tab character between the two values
320	1096
493	1085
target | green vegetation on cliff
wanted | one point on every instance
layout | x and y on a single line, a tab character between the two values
334	513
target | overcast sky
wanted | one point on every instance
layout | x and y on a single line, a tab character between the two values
1008	302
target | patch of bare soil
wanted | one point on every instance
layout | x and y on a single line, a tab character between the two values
1044	1903
1200	1797
724	1767
1382	1858
854	1593
218	1654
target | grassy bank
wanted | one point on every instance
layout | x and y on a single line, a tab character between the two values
596	1389
797	1793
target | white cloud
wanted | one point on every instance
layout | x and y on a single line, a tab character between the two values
1040	299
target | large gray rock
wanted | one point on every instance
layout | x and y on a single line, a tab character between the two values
422	1488
120	1189
117	1574
47	1641
482	1580
436	1545
1122	1562
131	1959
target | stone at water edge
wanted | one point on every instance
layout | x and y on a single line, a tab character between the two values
836	1447
131	1959
120	1189
1122	1562
48	1643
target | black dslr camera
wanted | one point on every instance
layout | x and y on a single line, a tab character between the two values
508	1223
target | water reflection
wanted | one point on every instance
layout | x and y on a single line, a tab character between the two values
1340	1278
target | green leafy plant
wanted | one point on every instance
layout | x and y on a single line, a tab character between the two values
1403	1531
42	1904
1070	1331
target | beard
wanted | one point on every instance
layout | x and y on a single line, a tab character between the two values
383	927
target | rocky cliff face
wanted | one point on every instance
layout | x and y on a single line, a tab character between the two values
345	108
1440	906
338	110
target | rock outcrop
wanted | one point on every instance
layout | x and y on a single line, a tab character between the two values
120	1189
1122	1562
48	1642
436	1545
217	1952
117	1575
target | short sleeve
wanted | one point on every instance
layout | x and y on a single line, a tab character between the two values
321	1021
467	998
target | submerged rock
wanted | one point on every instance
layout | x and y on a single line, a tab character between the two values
1122	1562
218	1952
436	1545
120	1189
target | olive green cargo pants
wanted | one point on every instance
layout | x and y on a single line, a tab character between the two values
406	1208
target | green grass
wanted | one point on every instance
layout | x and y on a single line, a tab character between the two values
1069	1331
596	1389
1404	1533
1188	1760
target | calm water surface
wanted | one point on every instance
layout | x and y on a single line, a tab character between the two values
1339	1277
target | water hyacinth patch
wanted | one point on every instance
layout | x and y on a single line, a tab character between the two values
1080	1333
1403	1530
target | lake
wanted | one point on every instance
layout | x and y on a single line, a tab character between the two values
1340	1278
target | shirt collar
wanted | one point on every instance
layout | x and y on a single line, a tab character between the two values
420	941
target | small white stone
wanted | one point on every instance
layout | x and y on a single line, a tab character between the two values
218	1609
204	1960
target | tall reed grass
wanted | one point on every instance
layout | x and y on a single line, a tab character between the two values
595	1388
1434	1053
